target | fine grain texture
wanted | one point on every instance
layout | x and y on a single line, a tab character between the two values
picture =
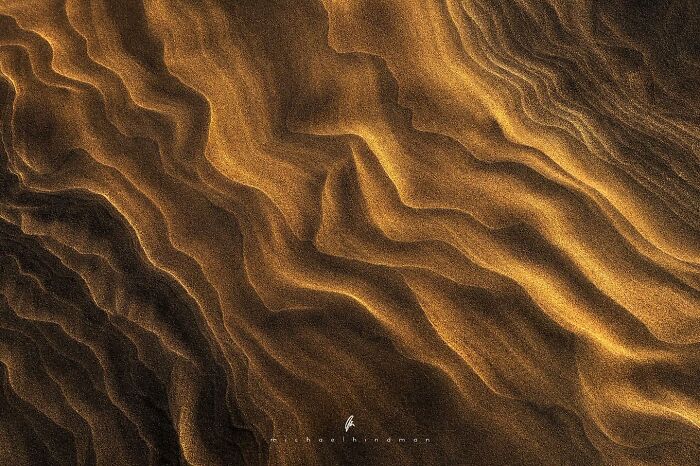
226	226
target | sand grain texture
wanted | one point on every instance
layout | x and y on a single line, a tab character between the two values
223	222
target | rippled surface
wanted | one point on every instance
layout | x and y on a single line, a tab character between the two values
223	222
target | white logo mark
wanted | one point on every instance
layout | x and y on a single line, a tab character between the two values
349	423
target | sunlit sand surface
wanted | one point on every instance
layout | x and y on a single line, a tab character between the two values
225	222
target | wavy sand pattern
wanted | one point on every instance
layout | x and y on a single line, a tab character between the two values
223	222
